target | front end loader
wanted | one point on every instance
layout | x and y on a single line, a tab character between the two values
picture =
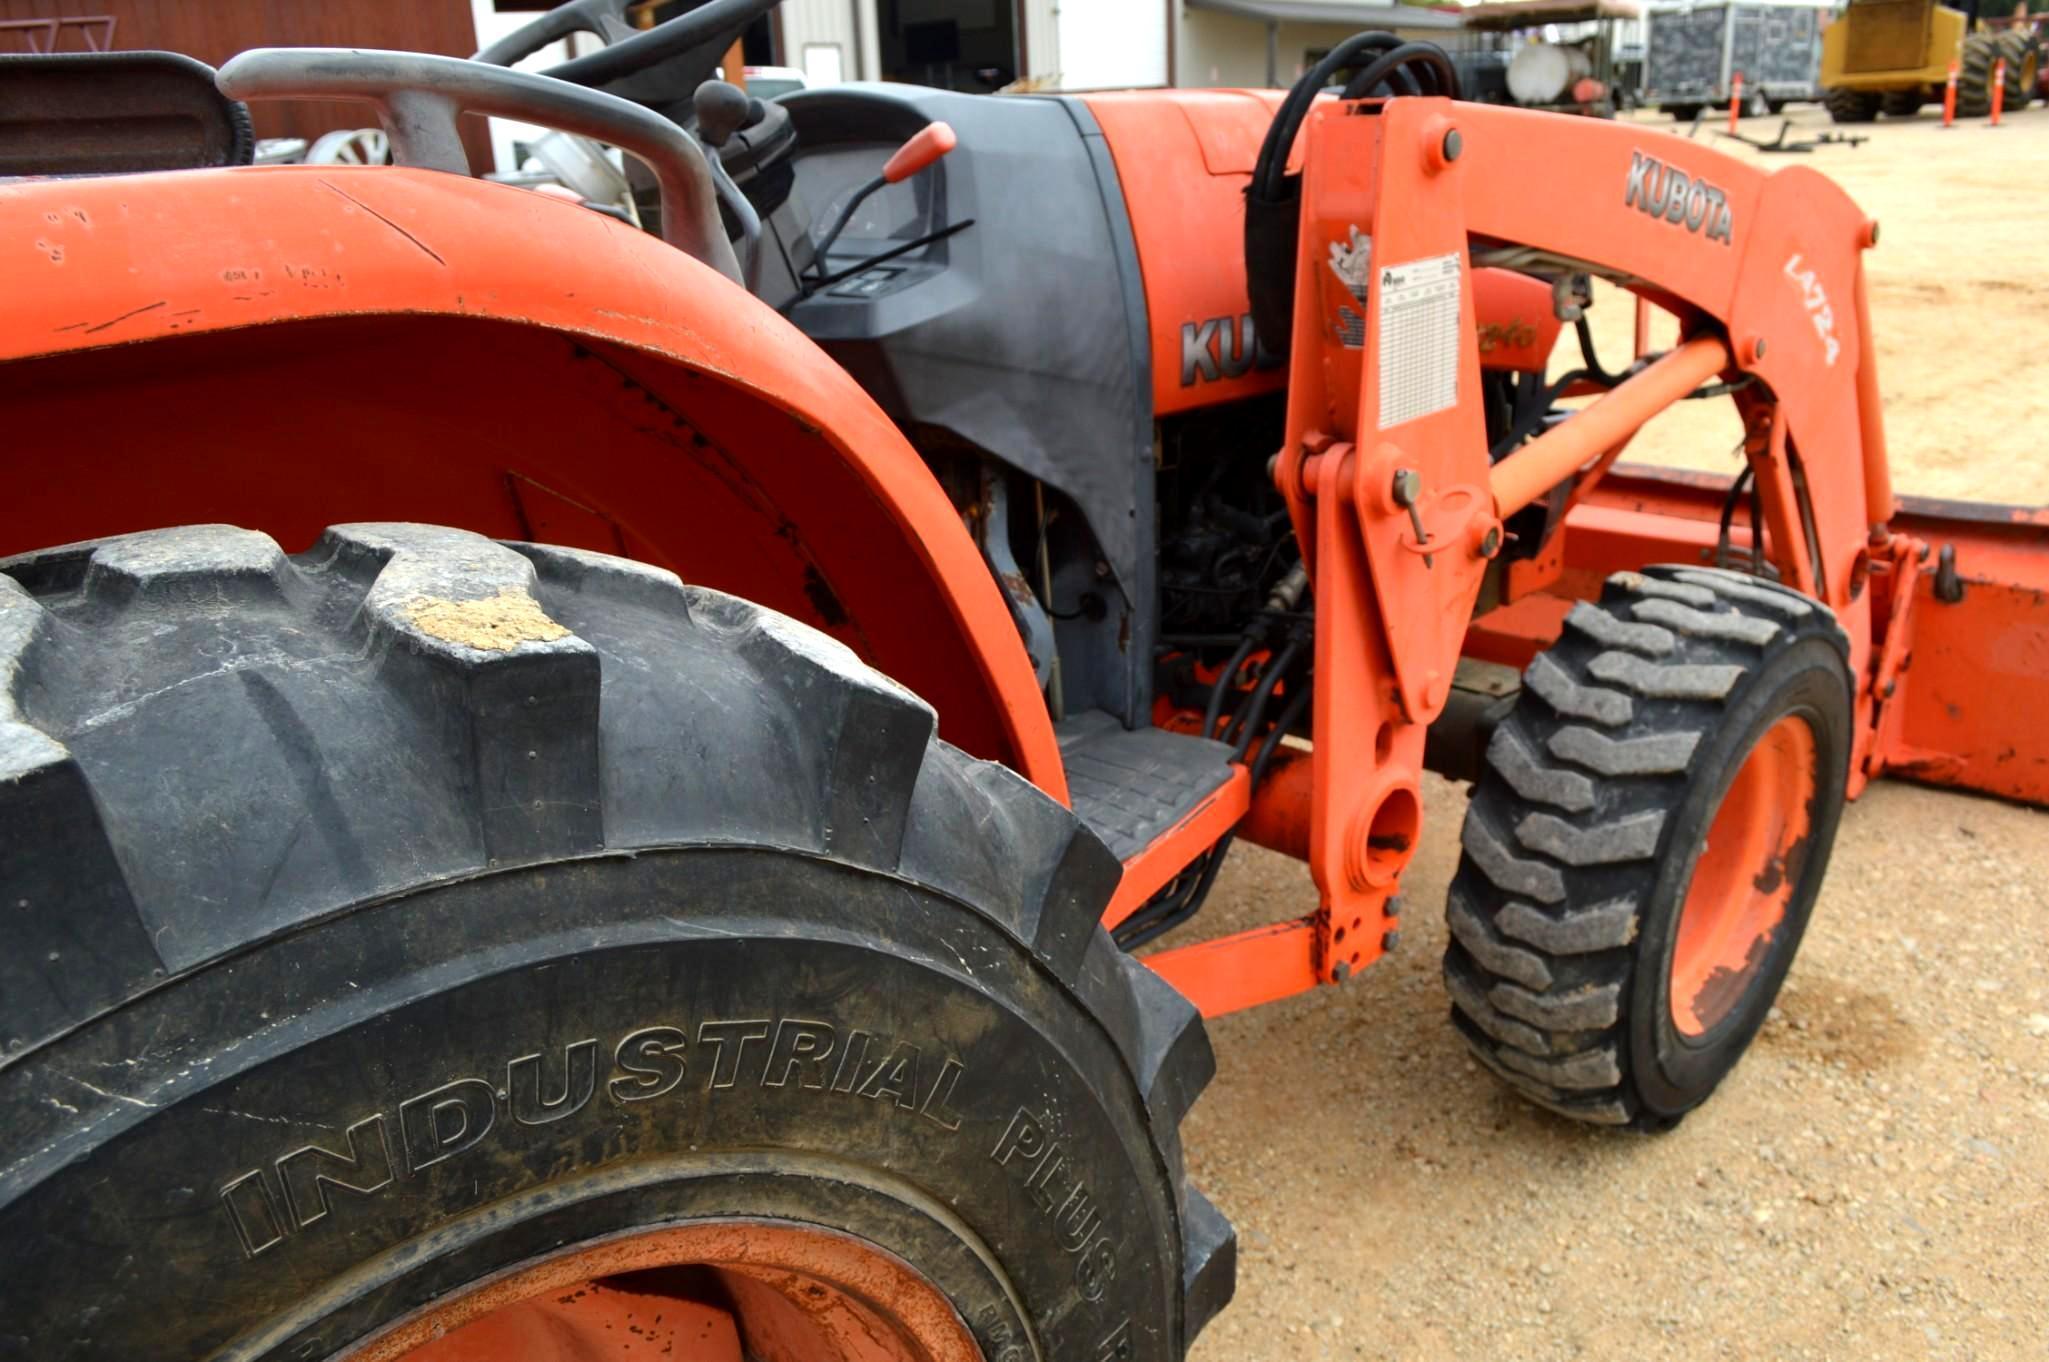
585	772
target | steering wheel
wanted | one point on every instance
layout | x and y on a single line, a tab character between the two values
629	50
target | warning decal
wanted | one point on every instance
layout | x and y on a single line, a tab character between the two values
1419	338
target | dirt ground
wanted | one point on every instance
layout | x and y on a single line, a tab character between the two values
1873	1180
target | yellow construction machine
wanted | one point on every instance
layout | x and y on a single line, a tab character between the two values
1893	56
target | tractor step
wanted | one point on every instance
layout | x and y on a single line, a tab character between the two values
1131	785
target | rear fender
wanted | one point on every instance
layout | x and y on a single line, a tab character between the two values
287	347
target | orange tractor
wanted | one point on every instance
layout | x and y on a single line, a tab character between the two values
635	845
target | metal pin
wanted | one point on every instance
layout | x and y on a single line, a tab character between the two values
1407	484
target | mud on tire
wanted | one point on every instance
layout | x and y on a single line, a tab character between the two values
391	916
1585	827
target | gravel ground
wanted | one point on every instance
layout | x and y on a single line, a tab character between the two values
1873	1180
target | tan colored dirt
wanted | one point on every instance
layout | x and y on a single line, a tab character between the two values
495	624
1959	289
1873	1181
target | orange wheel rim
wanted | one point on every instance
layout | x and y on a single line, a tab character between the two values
713	1291
1744	879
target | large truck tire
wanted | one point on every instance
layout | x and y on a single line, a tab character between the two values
1646	840
2023	67
1974	74
1902	103
423	935
1851	106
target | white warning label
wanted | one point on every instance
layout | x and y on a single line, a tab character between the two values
1419	338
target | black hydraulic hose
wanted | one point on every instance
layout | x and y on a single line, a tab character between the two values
1395	80
1280	134
1132	934
1735	494
1223	686
1424	67
1155	921
1533	416
1589	358
1246	722
1423	64
1290	715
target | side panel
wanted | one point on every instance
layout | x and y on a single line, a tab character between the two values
284	347
1184	157
1019	338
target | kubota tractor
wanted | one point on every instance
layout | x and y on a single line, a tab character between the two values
573	785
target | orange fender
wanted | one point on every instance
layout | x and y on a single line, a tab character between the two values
286	347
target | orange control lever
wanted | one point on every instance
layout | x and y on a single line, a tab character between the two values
927	145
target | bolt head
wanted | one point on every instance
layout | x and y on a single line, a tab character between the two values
1390	940
1757	348
1453	144
1490	543
1341	971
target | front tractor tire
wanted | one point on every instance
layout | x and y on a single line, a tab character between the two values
1646	841
2023	68
1851	106
1976	66
448	949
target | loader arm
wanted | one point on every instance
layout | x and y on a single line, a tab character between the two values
1423	550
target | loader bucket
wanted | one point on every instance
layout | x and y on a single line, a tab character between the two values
1973	706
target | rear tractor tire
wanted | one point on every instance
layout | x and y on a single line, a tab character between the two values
1851	106
435	949
1646	841
2023	68
1974	75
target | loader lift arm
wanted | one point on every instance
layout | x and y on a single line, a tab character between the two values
1404	518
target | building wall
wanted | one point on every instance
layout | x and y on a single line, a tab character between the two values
852	27
829	27
1043	49
1112	44
1222	49
214	30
